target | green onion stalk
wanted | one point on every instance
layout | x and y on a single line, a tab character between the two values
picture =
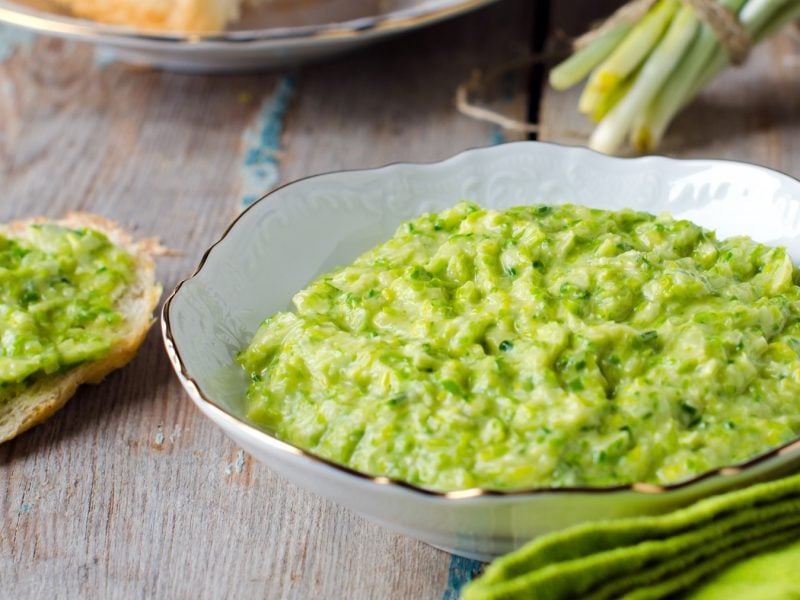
641	73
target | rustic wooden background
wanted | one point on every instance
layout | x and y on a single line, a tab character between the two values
129	492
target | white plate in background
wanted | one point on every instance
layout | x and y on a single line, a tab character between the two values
282	33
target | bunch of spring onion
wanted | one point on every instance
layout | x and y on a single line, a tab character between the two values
643	70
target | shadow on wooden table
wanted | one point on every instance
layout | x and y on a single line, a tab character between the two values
101	410
725	122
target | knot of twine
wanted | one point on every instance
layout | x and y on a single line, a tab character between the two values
723	22
731	34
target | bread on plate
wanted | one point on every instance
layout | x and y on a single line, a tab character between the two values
177	16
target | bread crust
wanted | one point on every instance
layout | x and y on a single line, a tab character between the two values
184	16
51	392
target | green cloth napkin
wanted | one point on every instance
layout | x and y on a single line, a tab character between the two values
771	576
654	557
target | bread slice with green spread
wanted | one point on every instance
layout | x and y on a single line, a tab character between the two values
178	16
76	301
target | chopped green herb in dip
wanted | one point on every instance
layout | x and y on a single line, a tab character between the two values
538	346
58	287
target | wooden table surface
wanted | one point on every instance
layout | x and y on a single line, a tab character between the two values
129	492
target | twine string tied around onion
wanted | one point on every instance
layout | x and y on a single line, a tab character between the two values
731	34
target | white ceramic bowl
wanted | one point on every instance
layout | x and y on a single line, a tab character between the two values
305	228
282	33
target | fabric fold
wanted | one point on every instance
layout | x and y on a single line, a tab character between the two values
647	557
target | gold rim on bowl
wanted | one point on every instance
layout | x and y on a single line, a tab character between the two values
194	390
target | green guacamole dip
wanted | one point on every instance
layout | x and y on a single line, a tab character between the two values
538	346
58	289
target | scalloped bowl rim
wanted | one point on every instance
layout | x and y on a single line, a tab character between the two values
215	411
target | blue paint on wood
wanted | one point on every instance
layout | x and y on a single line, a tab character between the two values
462	571
498	136
12	38
262	143
104	56
240	461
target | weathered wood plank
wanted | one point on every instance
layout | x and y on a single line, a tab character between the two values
747	113
396	102
129	492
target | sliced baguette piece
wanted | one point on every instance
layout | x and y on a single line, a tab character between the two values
176	16
51	392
